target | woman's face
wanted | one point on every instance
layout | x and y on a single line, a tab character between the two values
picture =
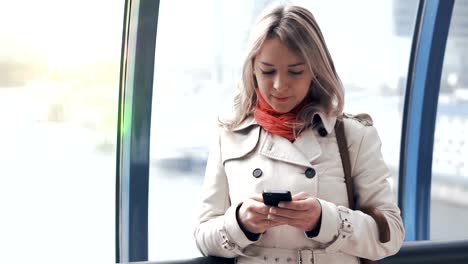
283	77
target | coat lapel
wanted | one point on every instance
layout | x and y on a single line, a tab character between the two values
308	144
301	152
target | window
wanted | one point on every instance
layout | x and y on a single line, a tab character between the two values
198	58
370	43
59	82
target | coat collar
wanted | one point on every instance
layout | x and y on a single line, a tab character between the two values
303	151
249	121
327	121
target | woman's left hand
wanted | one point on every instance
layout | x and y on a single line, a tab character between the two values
302	212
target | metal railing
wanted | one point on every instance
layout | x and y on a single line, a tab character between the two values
427	252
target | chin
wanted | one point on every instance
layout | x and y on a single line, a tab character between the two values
282	110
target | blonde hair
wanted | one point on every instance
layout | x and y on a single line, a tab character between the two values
295	27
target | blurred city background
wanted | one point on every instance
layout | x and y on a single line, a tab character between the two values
59	81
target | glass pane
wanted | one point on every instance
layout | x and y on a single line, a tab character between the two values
369	41
59	79
449	191
195	73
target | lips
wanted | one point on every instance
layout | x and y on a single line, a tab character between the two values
281	98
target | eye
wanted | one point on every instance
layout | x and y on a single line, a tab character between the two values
296	72
268	72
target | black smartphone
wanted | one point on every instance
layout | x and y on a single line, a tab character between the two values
273	197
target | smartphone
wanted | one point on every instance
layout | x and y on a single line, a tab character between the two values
273	197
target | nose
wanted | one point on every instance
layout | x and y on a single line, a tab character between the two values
280	82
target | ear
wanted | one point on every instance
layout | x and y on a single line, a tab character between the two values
313	84
254	76
314	80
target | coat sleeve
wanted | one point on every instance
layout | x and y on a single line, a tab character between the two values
218	232
352	231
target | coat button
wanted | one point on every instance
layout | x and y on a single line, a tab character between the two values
322	132
310	173
257	172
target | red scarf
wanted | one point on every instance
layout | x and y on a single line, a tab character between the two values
274	122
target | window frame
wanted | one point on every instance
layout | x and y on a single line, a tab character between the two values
419	115
134	128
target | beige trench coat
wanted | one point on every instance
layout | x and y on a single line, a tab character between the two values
229	180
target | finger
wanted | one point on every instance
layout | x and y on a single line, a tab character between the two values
269	223
288	213
257	214
258	207
299	205
257	223
301	220
298	219
257	198
281	219
300	196
297	197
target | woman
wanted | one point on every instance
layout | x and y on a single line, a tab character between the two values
282	137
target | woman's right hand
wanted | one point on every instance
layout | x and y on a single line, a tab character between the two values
253	216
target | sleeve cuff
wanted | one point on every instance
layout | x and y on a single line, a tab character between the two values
233	228
330	216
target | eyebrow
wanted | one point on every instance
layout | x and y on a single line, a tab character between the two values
290	65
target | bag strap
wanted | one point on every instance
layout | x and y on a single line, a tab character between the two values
379	218
345	160
346	163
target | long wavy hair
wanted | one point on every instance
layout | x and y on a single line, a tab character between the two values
296	27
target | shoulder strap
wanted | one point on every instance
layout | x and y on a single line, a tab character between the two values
344	153
345	161
382	224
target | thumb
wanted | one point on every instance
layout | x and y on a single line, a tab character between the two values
300	196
